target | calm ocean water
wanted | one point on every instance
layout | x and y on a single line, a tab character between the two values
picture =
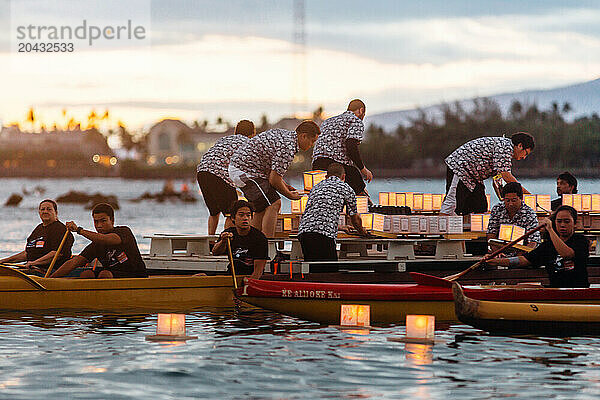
256	354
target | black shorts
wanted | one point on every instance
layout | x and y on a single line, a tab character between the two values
468	202
318	247
353	176
218	194
260	193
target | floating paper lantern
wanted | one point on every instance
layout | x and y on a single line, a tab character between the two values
311	178
355	315
420	326
170	327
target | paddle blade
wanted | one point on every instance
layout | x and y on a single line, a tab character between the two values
430	280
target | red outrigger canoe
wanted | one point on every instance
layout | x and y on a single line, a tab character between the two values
390	303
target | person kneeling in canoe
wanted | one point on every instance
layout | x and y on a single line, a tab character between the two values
114	246
565	255
44	241
249	246
319	224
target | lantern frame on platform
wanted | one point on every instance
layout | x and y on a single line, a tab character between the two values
509	233
362	204
311	178
367	220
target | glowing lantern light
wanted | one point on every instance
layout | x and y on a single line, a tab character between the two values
476	222
355	315
420	327
509	233
287	224
489	201
586	202
401	199
384	198
596	202
436	201
367	220
378	222
362	204
170	327
303	203
544	202
577	202
296	207
428	202
529	199
311	178
409	200
392	199
418	201
567	200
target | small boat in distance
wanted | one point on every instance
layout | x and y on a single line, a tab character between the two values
512	317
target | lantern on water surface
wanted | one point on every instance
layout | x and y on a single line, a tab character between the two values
355	315
420	326
170	327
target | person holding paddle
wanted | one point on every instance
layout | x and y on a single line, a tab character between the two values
564	255
44	241
114	246
476	161
213	177
249	246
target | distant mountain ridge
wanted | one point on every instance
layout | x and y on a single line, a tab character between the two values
584	99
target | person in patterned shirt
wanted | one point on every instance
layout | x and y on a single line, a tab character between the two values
513	211
319	223
258	168
476	161
213	175
339	140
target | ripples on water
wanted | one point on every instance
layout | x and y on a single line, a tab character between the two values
257	354
254	354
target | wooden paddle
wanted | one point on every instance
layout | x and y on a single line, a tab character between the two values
231	262
430	280
60	246
8	271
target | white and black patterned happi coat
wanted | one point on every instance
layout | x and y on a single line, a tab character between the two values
331	143
325	203
216	159
272	150
525	218
480	159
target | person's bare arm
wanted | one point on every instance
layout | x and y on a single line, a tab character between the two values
259	268
109	239
357	223
19	257
75	262
561	247
43	260
505	261
279	184
509	177
220	247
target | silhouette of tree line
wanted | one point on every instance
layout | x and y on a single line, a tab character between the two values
428	139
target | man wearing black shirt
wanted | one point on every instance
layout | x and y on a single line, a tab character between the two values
565	255
249	246
44	240
114	246
565	184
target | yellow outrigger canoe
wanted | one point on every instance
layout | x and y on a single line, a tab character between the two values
153	294
542	318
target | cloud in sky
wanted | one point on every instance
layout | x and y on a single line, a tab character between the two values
211	59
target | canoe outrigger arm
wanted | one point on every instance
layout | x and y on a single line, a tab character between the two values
8	271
